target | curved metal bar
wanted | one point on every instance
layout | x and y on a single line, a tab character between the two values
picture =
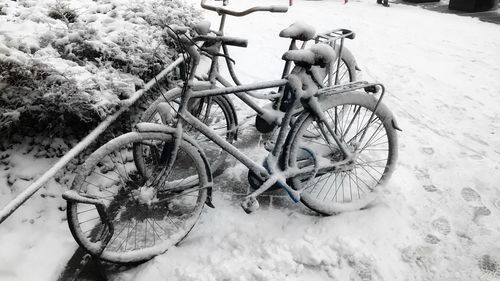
221	11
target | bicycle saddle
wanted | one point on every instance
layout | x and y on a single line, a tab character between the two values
202	28
299	31
319	54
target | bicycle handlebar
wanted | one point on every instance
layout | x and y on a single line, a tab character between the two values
226	40
221	10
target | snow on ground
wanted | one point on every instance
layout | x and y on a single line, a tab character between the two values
35	240
437	219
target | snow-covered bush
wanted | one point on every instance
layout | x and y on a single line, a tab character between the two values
62	11
36	95
65	65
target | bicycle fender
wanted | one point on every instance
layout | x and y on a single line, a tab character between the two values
348	57
395	124
233	113
145	127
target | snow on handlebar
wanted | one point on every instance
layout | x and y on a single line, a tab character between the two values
220	10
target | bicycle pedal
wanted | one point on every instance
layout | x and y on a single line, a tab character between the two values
249	204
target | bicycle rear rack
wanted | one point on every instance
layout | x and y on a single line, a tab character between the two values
352	86
334	35
330	38
373	88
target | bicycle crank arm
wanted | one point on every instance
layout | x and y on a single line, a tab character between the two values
344	165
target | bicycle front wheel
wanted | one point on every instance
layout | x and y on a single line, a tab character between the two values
375	144
147	219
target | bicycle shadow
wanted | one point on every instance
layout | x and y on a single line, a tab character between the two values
81	266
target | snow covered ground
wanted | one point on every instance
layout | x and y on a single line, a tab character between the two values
437	219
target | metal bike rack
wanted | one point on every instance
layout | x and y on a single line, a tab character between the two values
15	203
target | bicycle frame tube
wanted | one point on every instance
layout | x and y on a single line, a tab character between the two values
238	89
242	96
205	130
231	149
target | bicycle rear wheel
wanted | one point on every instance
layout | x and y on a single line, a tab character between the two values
346	70
147	219
335	191
216	112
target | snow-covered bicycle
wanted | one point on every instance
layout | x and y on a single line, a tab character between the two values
219	112
142	192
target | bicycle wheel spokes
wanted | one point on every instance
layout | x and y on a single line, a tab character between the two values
145	223
369	140
368	136
216	112
208	111
343	76
213	115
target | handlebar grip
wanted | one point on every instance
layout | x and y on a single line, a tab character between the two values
226	40
233	41
278	9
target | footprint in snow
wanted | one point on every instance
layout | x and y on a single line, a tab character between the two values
422	174
470	195
430	188
474	199
432	239
441	225
427	150
490	266
480	211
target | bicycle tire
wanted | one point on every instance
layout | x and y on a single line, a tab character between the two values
164	220
338	109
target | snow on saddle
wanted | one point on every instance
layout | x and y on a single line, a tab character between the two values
299	31
319	54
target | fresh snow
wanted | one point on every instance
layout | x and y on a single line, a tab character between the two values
436	219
